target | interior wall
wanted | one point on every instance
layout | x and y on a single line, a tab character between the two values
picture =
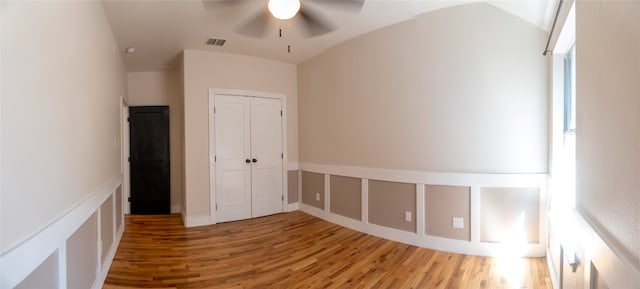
509	212
389	202
292	186
62	82
460	89
442	204
346	196
107	228
204	70
163	88
183	188
45	276
82	255
313	189
608	122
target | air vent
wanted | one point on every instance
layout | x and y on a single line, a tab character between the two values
216	41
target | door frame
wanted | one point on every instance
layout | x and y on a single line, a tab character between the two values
125	169
212	149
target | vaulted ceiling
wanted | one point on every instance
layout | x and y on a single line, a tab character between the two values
160	30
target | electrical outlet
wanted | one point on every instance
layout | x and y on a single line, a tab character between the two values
458	223
407	216
317	196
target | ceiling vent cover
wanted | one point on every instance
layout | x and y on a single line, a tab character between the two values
216	41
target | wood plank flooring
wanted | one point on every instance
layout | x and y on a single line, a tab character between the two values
294	250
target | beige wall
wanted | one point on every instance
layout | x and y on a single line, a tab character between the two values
163	88
608	121
442	203
459	89
506	212
346	197
118	209
45	276
388	202
61	85
312	184
182	152
204	70
106	227
292	186
82	255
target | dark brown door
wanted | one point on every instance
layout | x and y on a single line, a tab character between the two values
149	135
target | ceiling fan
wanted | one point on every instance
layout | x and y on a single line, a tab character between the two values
301	12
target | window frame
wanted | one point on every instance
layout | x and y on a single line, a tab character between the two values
569	90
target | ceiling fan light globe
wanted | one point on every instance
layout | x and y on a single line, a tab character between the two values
283	9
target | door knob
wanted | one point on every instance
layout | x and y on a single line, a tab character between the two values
247	161
255	160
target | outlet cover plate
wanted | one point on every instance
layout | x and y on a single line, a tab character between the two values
407	216
458	223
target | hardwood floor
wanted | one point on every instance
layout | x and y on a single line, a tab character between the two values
295	250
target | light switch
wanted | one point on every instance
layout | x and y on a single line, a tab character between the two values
458	223
317	196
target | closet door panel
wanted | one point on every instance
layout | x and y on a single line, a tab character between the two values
266	150
233	148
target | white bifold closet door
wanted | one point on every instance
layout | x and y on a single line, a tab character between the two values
249	160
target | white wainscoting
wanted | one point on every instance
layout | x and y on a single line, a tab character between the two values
20	261
611	265
421	178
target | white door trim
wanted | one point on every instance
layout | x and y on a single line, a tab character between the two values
212	152
124	147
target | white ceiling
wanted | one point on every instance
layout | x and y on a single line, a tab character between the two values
160	30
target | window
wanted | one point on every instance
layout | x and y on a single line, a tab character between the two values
570	90
569	146
563	161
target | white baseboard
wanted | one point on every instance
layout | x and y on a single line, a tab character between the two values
196	221
292	207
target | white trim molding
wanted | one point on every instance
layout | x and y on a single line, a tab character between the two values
293	166
102	275
431	178
475	181
292	207
23	259
195	221
613	266
555	281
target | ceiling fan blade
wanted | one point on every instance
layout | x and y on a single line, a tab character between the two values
216	4
313	25
347	5
256	26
